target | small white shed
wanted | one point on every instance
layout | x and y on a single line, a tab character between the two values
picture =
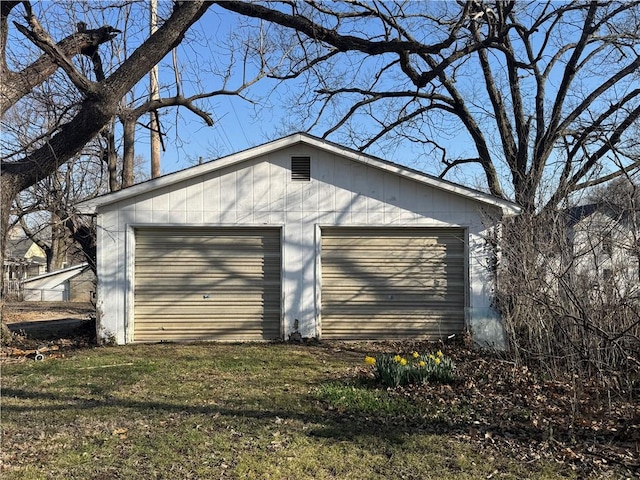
54	286
298	234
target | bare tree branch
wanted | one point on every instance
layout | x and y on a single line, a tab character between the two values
623	172
97	111
42	39
320	33
16	85
512	110
450	164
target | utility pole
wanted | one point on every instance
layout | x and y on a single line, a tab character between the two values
154	125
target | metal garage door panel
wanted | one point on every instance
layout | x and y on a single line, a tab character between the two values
392	283
206	284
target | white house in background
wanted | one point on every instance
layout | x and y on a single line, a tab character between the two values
296	235
605	241
23	259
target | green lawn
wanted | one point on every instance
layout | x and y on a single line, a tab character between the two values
235	411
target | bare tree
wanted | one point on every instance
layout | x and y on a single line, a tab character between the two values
542	94
45	211
541	98
100	98
569	289
78	89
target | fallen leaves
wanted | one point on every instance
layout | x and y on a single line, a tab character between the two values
22	348
120	432
500	405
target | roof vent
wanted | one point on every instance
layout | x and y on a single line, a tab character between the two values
301	169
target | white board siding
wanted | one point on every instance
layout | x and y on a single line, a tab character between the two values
378	197
381	283
206	284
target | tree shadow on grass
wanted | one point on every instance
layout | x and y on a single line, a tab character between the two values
320	420
318	417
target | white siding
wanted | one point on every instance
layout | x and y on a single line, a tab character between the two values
603	250
259	192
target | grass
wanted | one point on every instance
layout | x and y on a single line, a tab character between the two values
251	411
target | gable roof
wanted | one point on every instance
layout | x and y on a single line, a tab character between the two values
53	279
19	248
90	206
579	212
617	213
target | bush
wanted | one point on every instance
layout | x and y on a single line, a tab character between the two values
396	370
6	337
571	308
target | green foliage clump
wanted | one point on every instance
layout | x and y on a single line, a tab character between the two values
396	370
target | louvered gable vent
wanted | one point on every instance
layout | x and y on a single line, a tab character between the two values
301	169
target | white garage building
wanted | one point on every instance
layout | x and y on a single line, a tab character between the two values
299	234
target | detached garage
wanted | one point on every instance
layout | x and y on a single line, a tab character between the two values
297	235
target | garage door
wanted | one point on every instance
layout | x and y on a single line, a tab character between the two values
206	284
392	283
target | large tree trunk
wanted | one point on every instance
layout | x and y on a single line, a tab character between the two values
101	99
8	192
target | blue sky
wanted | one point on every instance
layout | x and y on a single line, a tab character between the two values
240	124
209	48
203	58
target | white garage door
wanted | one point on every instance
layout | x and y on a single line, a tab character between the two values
206	284
383	283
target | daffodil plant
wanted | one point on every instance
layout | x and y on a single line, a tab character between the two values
395	370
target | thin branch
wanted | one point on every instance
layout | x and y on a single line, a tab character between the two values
399	121
454	163
607	178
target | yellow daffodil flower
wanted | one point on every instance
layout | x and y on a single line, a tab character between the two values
369	360
416	354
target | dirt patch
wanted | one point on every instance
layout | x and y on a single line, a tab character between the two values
44	311
39	330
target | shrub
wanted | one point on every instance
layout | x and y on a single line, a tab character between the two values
6	337
396	370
